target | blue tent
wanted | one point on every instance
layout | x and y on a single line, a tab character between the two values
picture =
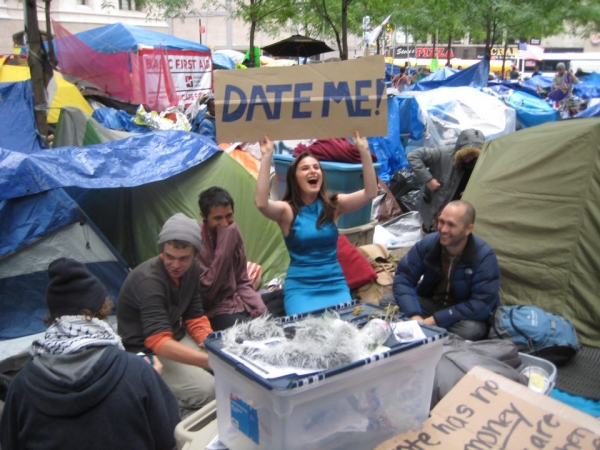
17	117
40	222
119	37
475	76
35	230
222	61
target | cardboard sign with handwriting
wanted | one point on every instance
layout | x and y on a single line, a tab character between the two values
302	102
487	411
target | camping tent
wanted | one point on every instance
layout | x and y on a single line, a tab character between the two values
67	93
36	230
536	196
133	49
19	130
131	186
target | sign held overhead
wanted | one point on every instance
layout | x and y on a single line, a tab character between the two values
312	101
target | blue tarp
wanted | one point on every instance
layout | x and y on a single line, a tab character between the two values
593	111
117	119
530	110
222	61
475	76
125	163
19	130
590	88
408	114
119	37
541	81
389	150
440	75
503	87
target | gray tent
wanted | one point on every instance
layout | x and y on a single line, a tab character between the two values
537	197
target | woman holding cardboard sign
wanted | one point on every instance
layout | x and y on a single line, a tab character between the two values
307	216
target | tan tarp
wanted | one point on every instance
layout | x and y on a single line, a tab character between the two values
537	197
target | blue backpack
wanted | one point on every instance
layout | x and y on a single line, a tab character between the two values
537	332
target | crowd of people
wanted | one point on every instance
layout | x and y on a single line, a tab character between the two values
156	367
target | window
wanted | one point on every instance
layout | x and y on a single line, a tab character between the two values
130	5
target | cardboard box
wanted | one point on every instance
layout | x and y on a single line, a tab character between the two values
486	411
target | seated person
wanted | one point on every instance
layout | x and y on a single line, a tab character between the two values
307	216
81	390
160	311
225	288
451	278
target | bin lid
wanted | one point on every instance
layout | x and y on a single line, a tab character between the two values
347	311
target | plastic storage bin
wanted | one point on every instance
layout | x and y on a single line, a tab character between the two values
362	235
341	177
197	430
353	407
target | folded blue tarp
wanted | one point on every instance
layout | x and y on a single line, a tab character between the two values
125	163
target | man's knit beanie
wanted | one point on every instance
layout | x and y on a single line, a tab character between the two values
72	288
181	228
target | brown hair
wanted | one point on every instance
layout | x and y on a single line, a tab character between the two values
178	244
293	194
101	314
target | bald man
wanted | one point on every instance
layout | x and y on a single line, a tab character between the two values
450	278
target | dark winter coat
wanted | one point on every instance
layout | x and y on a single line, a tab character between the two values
445	164
475	282
97	399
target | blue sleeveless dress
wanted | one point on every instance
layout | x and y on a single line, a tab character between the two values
314	279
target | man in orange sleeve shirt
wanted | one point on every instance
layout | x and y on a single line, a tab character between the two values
159	311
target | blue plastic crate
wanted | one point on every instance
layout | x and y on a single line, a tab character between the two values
341	177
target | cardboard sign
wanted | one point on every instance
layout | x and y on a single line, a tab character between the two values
486	411
312	101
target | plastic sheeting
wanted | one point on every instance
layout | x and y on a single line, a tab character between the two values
590	88
474	76
530	110
445	112
129	162
19	129
117	119
120	37
389	150
119	71
541	81
222	61
503	87
593	111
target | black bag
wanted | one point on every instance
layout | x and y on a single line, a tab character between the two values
536	332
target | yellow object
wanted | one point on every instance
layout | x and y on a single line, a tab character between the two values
67	93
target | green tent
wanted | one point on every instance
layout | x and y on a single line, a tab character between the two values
536	193
131	218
